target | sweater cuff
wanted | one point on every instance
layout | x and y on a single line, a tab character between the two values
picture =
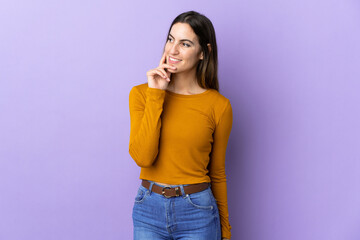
226	231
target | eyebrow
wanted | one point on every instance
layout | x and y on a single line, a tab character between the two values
182	39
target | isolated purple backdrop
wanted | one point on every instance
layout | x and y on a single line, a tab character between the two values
290	69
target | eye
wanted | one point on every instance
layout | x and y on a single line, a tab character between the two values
169	39
187	45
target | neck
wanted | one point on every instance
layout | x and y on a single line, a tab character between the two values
184	82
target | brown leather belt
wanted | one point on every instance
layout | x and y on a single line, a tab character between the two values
175	191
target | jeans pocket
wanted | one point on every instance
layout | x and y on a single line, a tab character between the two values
201	200
141	195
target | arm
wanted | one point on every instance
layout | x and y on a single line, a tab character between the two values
145	124
217	167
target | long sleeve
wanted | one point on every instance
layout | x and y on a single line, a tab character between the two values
145	124
217	167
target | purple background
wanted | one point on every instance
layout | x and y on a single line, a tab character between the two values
291	70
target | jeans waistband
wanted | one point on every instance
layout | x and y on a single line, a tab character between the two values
181	186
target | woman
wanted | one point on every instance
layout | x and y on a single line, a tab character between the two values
180	125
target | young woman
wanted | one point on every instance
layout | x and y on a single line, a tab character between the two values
180	126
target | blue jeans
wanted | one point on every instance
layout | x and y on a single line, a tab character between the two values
189	216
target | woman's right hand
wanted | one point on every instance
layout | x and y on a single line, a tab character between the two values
159	77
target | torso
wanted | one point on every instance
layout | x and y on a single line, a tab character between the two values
198	90
163	184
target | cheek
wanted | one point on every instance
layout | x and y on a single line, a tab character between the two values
191	58
167	48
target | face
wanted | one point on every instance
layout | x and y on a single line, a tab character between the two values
182	44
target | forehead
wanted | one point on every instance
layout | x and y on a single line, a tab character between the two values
183	31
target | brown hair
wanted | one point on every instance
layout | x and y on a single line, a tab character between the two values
207	69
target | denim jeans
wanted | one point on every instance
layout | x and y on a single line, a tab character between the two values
189	216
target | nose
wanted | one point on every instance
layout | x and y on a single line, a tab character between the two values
174	49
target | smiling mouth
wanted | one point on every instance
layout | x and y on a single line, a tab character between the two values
174	60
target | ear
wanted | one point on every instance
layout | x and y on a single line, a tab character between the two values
202	53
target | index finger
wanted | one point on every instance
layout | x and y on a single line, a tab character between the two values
162	58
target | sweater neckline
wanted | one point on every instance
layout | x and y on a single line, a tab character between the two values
188	96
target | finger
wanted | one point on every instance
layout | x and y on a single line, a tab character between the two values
162	58
161	74
163	71
154	72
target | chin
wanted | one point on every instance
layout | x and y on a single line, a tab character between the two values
172	70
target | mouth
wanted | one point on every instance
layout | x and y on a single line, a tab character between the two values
174	60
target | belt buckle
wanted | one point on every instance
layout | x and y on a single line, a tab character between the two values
177	190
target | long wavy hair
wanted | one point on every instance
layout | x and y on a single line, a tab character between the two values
207	68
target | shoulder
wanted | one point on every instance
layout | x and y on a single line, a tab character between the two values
219	101
138	91
220	105
140	88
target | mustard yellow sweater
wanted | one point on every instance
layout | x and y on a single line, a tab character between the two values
182	139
